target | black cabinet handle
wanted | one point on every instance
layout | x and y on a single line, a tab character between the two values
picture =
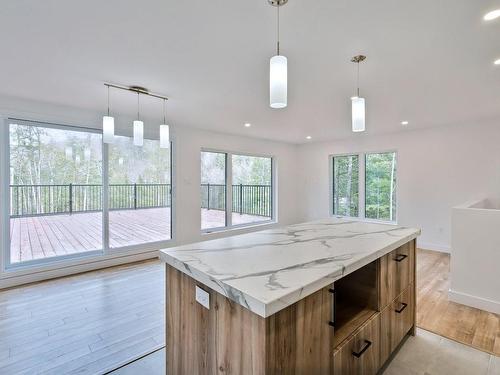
399	311
334	302
400	257
364	349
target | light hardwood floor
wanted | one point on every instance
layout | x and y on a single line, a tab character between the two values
423	354
84	324
97	321
435	313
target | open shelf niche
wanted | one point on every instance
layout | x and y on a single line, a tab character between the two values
356	301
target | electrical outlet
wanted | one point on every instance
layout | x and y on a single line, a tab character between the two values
203	298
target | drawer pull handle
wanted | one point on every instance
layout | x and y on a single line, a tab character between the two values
334	303
399	311
364	349
400	257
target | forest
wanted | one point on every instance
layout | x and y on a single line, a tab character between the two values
380	186
54	170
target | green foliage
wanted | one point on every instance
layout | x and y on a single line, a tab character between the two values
41	156
380	182
251	170
130	164
380	186
345	185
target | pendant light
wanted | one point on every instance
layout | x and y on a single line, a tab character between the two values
164	129
278	68
138	128
358	103
108	126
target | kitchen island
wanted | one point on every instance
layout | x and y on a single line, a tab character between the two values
330	296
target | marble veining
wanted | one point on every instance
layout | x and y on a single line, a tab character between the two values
269	270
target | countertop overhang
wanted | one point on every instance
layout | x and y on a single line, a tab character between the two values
269	270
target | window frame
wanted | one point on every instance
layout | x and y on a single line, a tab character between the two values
95	255
332	184
229	191
362	185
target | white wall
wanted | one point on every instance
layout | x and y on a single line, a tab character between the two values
187	145
476	255
187	161
437	169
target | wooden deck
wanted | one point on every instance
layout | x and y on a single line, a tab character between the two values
40	237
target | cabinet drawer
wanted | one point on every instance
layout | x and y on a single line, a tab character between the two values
396	273
395	322
360	354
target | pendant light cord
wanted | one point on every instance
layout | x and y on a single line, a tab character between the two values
358	79
108	101
278	28
164	111
138	118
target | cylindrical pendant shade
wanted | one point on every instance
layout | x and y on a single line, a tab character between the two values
164	136
108	129
278	78
358	114
138	133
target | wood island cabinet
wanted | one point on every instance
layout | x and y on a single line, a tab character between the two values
346	328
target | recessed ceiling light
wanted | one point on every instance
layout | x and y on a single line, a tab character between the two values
497	62
308	137
247	124
492	15
404	122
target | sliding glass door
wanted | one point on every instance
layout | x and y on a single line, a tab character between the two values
139	193
69	195
55	191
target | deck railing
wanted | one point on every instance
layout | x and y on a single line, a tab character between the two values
37	200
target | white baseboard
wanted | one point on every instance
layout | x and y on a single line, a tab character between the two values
434	247
21	279
473	301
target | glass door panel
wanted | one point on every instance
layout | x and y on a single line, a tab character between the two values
213	190
55	191
139	193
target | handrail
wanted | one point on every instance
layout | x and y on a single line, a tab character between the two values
54	199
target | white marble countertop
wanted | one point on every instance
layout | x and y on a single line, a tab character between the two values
269	270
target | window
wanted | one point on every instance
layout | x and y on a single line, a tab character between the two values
55	191
372	174
380	186
139	192
252	189
345	185
61	204
249	200
213	190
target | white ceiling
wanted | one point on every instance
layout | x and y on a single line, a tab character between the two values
429	62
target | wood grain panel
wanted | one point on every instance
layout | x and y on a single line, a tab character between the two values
393	325
299	339
190	328
230	339
394	274
239	338
369	362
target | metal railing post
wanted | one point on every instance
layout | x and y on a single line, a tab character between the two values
241	199
208	196
70	199
135	196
